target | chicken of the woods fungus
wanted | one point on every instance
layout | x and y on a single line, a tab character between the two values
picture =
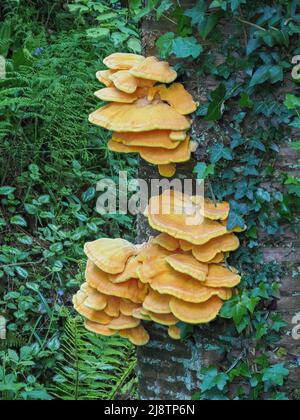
179	276
146	112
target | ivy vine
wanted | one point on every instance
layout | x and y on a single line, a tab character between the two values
248	120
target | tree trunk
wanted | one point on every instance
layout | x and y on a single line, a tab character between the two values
168	369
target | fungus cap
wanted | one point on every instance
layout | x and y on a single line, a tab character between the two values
123	61
220	276
152	251
153	69
178	98
157	138
95	300
157	303
187	264
99	329
170	282
130	271
132	290
123	323
196	313
219	258
216	211
186	246
124	81
178	135
163	319
139	117
137	336
211	249
113	306
104	77
141	314
95	316
156	156
110	255
112	94
175	214
127	308
167	242
167	171
174	332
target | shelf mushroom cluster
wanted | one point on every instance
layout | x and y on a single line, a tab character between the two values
179	276
146	112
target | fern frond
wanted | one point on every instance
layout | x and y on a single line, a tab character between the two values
94	367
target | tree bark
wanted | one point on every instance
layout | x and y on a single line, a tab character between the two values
168	369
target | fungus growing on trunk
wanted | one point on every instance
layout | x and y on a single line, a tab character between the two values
150	116
196	313
110	255
153	69
177	276
112	94
123	61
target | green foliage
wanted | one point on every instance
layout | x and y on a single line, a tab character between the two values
92	367
51	160
256	58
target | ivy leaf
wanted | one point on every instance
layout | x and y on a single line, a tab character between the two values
276	74
203	171
89	195
22	272
296	123
184	47
263	195
19	221
235	220
218	152
164	44
212	379
98	33
276	374
216	108
261	75
205	23
245	101
134	45
7	190
164	7
292	102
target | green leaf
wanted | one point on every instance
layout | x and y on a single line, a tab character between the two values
212	379
184	47
164	7
218	152
296	145
296	123
235	220
261	75
7	190
245	101
216	107
19	221
276	374
164	44
22	272
89	195
134	44
203	171
98	33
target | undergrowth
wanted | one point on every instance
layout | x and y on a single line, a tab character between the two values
51	159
